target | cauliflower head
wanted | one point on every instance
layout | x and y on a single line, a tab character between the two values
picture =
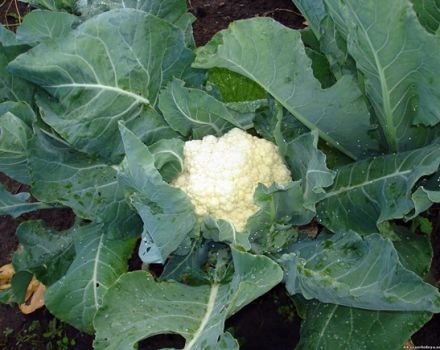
220	175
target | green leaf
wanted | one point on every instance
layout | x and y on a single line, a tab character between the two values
14	138
190	267
427	194
366	273
281	207
173	11
140	307
193	112
329	326
375	190
167	212
42	25
89	186
99	262
12	88
307	163
415	251
19	283
17	204
234	87
428	12
104	72
168	157
331	43
52	5
7	37
223	231
277	125
44	252
170	10
21	109
257	49
321	68
401	94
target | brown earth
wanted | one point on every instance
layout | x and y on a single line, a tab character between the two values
267	323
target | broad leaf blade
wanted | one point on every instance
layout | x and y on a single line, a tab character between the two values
90	187
404	93
41	25
104	72
428	12
53	5
14	138
170	10
348	270
234	87
415	250
12	88
193	112
308	163
141	307
257	49
329	326
99	262
167	212
168	157
17	204
44	252
281	207
375	190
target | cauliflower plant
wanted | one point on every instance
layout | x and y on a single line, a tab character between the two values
220	174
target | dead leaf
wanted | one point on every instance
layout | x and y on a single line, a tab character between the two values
6	273
409	345
36	299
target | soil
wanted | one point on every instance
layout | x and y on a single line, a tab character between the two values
269	322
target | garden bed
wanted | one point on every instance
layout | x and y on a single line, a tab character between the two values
267	323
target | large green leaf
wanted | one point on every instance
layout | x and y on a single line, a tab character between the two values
53	5
428	12
308	163
375	190
17	204
331	327
234	87
14	137
12	88
109	69
331	42
99	262
427	194
415	250
44	252
41	25
166	211
168	157
366	273
137	307
170	10
281	208
193	112
399	61
274	57
173	11
90	187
